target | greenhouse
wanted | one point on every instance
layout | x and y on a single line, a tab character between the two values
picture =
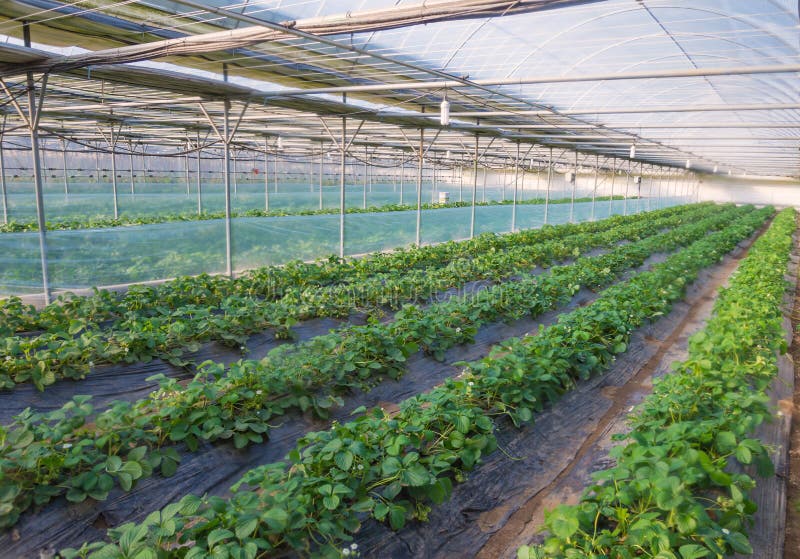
411	279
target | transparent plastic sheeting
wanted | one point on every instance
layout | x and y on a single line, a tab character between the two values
91	199
111	256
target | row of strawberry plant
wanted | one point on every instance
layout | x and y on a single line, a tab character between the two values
129	440
391	467
672	492
271	282
100	222
57	354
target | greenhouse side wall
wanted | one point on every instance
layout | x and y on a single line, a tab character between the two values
750	191
114	256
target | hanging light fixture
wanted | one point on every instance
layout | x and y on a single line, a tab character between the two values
280	144
688	163
716	168
447	155
444	112
730	173
633	151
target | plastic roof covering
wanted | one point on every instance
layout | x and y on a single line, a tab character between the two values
660	115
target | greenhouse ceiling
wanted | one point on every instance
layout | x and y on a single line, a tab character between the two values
709	84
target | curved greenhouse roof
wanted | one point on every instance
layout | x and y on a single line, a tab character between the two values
713	82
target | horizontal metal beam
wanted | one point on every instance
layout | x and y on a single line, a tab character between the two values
636	110
452	84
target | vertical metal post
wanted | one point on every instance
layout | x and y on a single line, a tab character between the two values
483	192
341	181
474	190
311	170
364	189
266	175
433	186
461	180
549	182
660	181
130	163
235	182
97	163
64	161
594	190
419	185
627	185
514	203
37	168
574	186
402	175
199	178
114	172
275	169
186	169
3	179
226	180
613	177
503	186
649	190
321	170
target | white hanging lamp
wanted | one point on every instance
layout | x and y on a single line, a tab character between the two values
444	112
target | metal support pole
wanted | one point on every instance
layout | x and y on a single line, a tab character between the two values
235	182
649	189
186	169
3	180
266	175
627	185
549	182
514	203
33	118
594	190
321	170
658	192
114	172
341	181
461	181
402	175
474	190
433	186
64	161
613	177
483	192
130	163
311	171
574	186
364	189
275	169
419	185
503	186
97	163
226	180
199	179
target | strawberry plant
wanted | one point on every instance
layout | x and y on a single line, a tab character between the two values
393	467
671	492
239	402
